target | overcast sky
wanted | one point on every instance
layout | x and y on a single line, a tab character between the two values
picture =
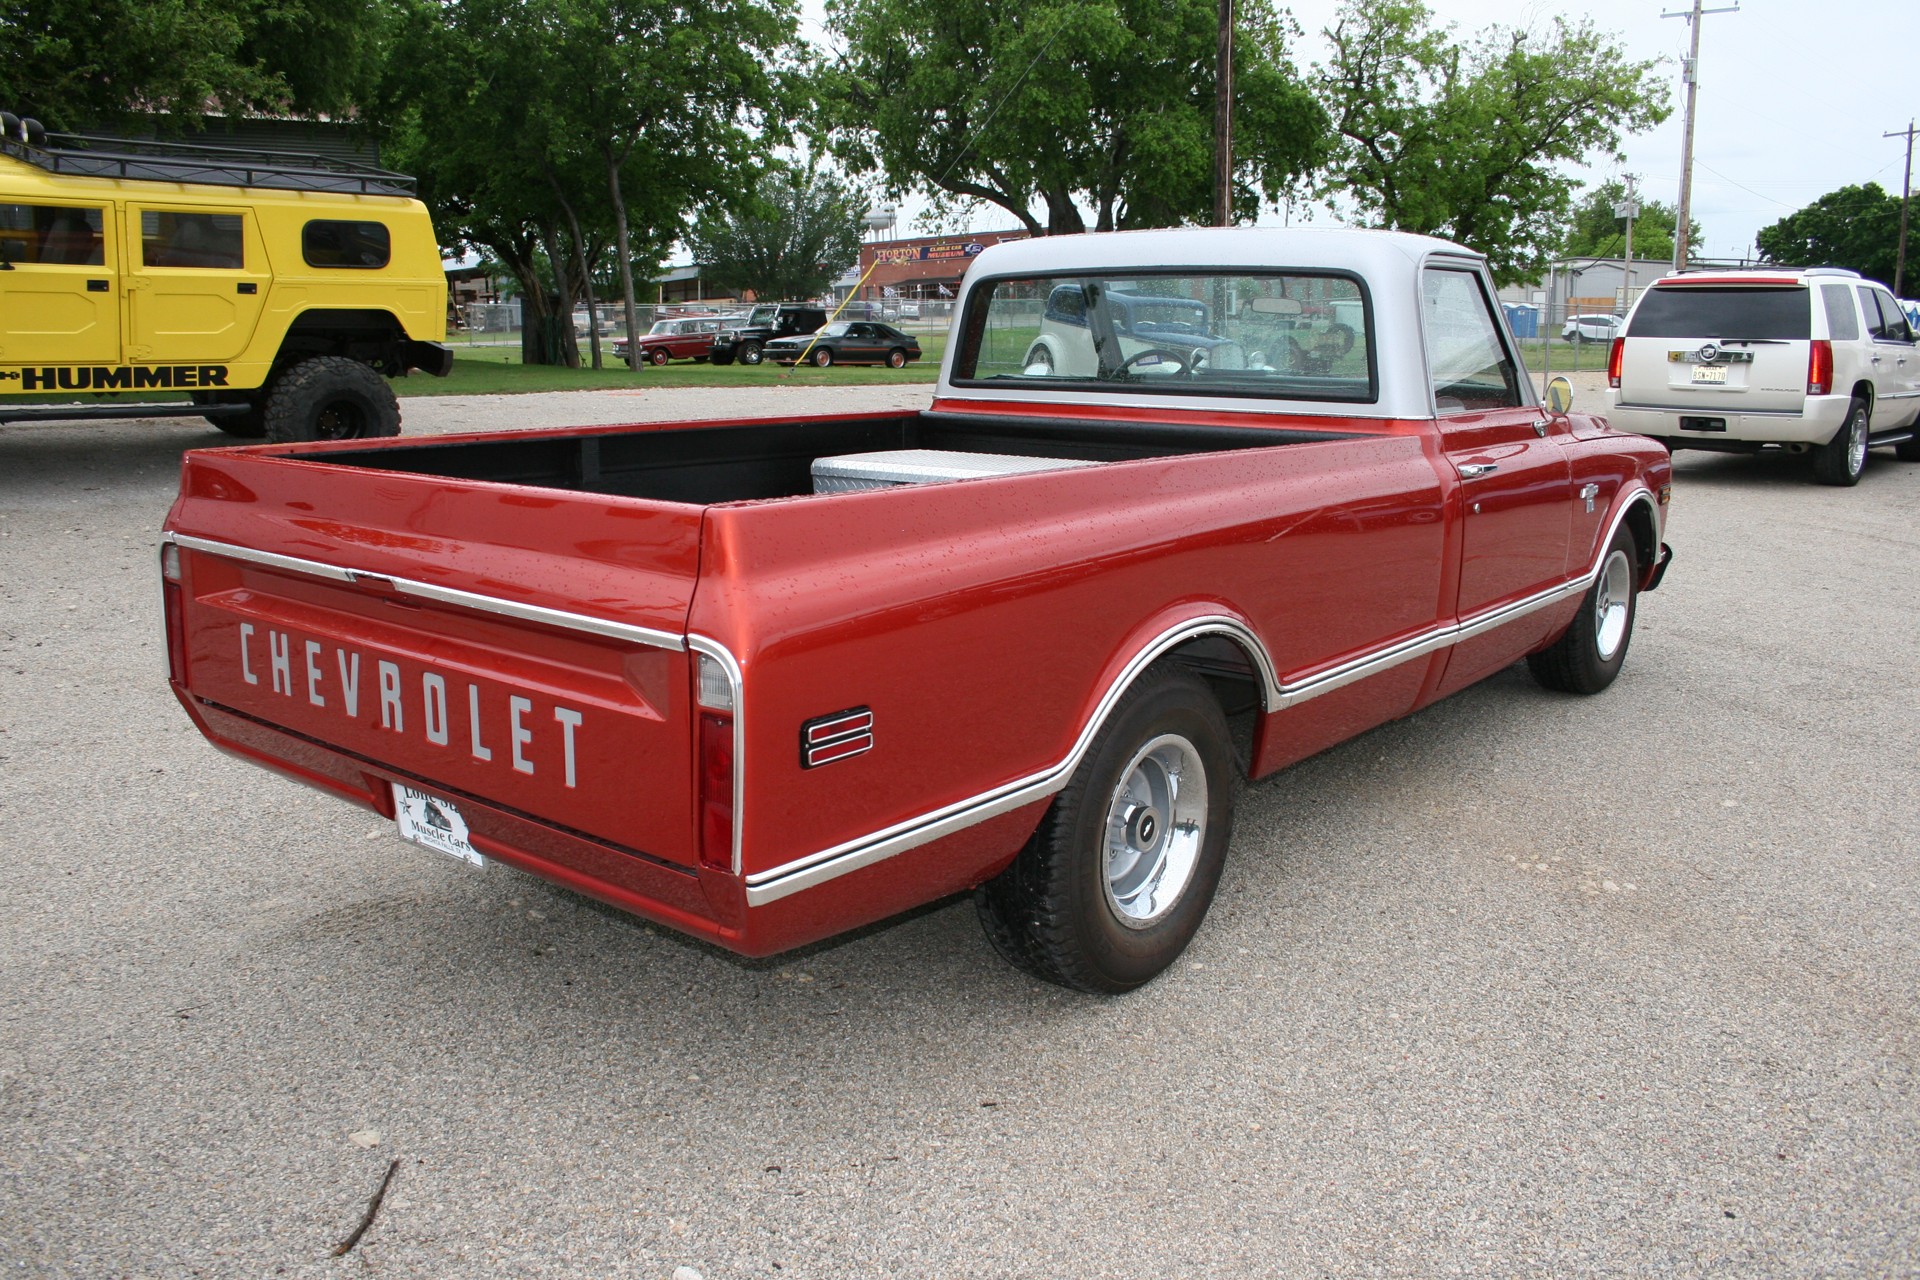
1794	95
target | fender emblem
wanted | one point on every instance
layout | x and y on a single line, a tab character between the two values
825	739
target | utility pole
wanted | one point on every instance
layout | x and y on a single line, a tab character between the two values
1906	191
1691	72
1627	208
1223	121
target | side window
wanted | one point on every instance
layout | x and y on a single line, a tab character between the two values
1893	321
1876	327
1842	325
173	238
359	246
1469	365
50	234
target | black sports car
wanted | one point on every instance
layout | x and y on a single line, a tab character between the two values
847	342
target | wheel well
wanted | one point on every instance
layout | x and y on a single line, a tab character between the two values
1864	391
1230	672
373	337
1640	523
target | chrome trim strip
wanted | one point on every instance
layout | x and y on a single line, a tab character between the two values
1717	411
442	595
769	886
719	653
804	873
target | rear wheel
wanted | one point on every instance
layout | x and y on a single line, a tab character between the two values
1589	653
897	358
331	398
1841	460
1114	884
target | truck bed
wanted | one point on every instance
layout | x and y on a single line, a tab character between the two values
764	460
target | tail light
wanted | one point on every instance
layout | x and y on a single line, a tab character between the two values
715	695
1820	368
1615	357
173	598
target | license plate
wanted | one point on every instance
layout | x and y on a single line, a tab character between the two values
433	822
1709	373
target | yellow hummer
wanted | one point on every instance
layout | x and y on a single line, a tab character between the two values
279	291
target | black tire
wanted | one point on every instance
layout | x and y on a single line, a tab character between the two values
250	425
1841	460
331	398
720	358
1589	653
822	357
750	353
659	355
897	358
1070	909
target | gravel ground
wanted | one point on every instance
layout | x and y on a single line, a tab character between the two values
1525	985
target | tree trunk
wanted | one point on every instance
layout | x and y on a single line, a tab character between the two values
623	247
562	347
1063	216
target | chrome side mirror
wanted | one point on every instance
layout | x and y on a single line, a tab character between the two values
1559	396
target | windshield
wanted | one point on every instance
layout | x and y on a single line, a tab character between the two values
1700	311
763	315
1294	335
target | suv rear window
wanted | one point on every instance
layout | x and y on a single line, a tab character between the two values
1697	311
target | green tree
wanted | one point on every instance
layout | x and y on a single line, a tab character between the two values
789	240
1596	233
1055	104
1460	140
1857	227
550	132
83	64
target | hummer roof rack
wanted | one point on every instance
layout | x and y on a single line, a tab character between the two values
87	155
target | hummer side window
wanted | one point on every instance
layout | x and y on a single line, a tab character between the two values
51	234
361	246
173	238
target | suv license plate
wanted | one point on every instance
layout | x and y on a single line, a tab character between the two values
433	822
1709	373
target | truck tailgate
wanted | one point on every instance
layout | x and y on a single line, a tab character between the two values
522	647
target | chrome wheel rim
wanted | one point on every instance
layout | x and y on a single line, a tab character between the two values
1857	444
1612	597
1156	825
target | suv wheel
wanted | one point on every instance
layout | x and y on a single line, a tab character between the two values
1841	460
750	353
331	398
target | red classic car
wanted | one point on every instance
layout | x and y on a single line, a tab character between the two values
766	681
686	338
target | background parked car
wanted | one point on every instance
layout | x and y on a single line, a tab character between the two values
689	338
1591	328
848	342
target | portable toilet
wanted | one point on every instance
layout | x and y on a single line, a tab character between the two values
1523	318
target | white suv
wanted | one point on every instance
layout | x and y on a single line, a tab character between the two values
1818	361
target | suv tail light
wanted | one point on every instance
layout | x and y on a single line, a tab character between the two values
1820	367
1614	358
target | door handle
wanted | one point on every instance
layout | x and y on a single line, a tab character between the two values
1474	470
96	286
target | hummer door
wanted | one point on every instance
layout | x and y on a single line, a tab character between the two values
59	304
196	283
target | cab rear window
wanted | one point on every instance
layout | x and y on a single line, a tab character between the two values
1697	311
364	246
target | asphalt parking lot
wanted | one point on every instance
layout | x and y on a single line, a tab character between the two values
1525	985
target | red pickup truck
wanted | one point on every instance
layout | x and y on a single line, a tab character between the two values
765	681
